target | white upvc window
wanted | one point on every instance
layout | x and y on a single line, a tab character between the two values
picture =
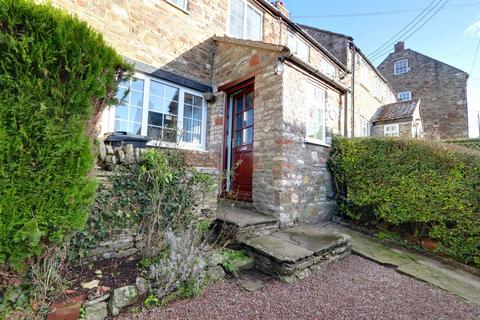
182	4
244	20
300	48
365	127
405	96
328	68
168	114
400	66
316	129
392	130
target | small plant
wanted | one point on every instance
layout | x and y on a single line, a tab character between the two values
389	235
232	256
151	301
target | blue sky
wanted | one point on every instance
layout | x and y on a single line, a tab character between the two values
451	35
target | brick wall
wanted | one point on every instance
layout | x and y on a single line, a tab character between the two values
441	88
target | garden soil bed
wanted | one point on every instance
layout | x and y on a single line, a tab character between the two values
115	273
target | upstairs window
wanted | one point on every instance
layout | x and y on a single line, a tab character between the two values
400	66
391	130
300	48
245	21
169	114
405	96
182	4
378	89
328	68
316	116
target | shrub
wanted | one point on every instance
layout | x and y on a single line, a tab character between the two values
56	75
424	188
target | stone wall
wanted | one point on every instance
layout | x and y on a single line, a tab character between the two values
441	88
303	181
405	129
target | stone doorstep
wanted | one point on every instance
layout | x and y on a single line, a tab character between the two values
297	252
242	218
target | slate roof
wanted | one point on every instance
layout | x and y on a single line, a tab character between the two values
402	110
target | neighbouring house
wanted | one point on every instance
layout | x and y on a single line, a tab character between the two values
441	88
238	86
369	88
399	119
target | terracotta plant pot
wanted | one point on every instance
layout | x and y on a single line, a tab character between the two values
429	244
67	308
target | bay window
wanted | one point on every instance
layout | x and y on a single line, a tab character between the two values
244	20
168	114
316	116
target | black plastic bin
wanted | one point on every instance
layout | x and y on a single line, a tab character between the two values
121	138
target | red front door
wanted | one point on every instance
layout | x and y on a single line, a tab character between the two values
242	144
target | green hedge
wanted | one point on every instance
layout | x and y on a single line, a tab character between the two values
422	188
473	144
55	74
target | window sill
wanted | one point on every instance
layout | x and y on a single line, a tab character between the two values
180	146
177	7
316	142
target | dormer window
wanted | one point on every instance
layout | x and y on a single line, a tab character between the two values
244	20
400	67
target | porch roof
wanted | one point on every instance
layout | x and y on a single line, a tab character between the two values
402	110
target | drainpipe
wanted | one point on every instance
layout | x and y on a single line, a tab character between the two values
352	47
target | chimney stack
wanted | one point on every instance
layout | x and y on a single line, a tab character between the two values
281	7
399	46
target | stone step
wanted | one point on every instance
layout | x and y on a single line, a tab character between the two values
244	224
295	253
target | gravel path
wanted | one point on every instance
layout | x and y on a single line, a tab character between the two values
354	288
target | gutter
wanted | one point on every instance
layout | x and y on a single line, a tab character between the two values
294	26
290	56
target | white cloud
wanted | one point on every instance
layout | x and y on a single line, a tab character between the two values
473	30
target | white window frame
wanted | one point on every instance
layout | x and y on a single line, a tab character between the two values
365	127
181	106
391	133
310	99
400	66
378	89
245	17
293	44
408	95
184	7
328	68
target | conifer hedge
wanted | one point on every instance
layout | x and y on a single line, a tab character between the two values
420	188
56	74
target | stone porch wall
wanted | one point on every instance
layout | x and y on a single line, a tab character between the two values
304	184
233	62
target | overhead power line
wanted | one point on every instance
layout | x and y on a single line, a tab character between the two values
389	42
475	57
382	13
406	36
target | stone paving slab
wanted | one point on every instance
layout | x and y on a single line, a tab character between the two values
278	249
459	282
312	238
243	218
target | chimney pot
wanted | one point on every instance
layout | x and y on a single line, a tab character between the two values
281	7
399	46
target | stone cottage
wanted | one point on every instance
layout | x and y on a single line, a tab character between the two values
399	119
238	86
369	88
441	88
